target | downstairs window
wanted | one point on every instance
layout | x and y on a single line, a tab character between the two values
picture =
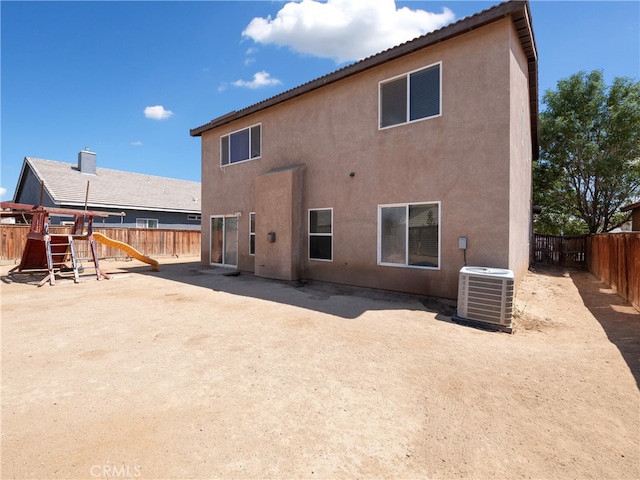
409	235
321	234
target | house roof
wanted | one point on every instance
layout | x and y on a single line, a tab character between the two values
516	9
111	188
633	206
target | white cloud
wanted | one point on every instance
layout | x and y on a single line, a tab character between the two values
344	30
157	112
3	191
260	79
137	143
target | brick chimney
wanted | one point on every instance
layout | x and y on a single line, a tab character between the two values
87	161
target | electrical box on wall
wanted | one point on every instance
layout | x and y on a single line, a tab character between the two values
462	243
271	237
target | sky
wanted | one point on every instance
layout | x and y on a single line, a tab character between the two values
129	79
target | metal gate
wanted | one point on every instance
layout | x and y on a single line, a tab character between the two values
565	250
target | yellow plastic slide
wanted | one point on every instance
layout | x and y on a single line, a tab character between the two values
132	252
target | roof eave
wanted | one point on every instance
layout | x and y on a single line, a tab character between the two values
506	9
26	164
631	207
130	207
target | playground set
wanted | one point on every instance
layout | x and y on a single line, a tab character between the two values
58	253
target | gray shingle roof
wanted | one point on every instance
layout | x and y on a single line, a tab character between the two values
115	188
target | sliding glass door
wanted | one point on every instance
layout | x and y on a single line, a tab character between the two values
224	241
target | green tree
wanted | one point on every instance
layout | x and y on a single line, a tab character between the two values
589	163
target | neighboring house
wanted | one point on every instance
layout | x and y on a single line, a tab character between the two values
635	215
148	201
371	175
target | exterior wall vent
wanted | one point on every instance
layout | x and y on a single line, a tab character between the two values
485	298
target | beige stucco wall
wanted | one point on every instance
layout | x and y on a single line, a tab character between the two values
520	195
464	159
278	208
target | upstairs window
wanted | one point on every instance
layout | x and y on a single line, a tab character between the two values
242	145
411	97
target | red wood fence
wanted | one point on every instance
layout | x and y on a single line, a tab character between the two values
148	241
615	259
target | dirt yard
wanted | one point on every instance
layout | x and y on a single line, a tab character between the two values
189	374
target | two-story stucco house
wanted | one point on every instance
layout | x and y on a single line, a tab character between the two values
370	175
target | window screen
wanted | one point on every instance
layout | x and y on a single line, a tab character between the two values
425	93
393	233
255	141
411	97
393	102
409	235
252	233
224	150
321	234
239	146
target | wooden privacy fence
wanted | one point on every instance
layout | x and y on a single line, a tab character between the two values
615	259
148	241
565	251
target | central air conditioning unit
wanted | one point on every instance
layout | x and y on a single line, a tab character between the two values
485	298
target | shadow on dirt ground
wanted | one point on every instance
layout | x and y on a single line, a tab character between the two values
349	302
620	321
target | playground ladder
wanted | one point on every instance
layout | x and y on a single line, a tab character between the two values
62	248
44	251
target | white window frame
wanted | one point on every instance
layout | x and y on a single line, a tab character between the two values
194	217
407	75
140	221
225	219
228	135
252	234
406	246
309	234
